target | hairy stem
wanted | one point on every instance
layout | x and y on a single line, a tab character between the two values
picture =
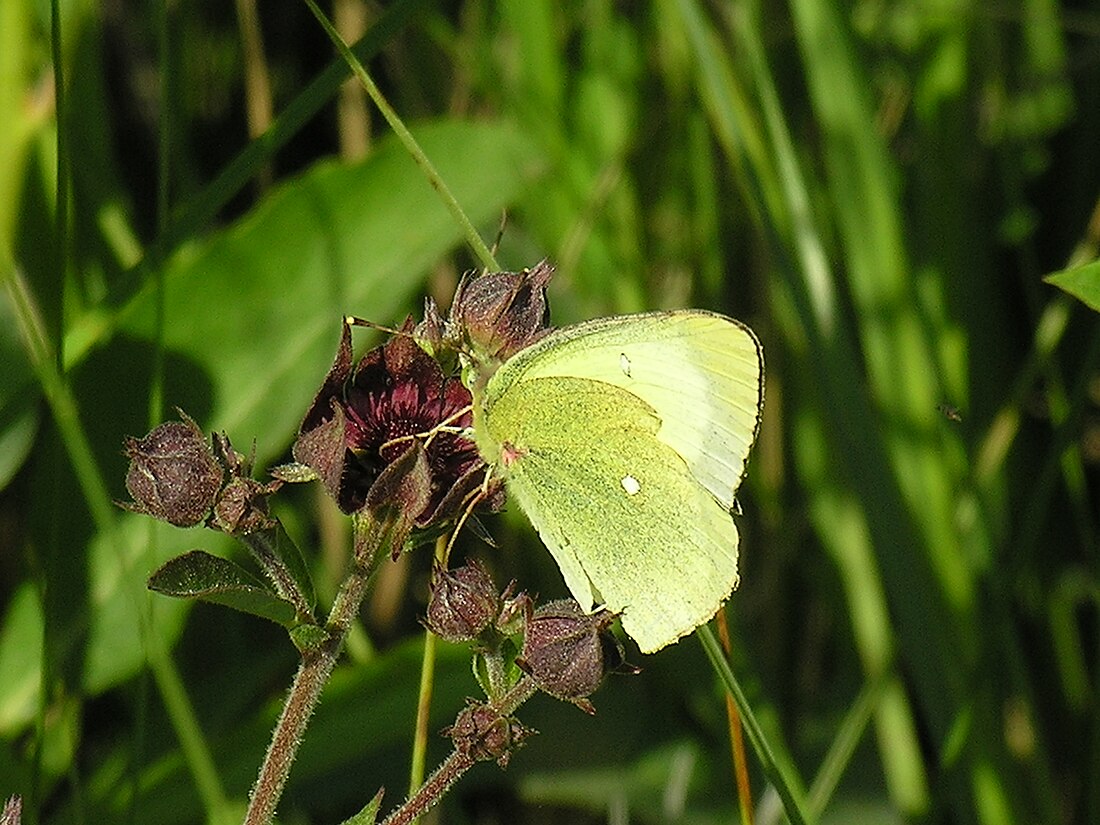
449	771
308	683
313	674
452	768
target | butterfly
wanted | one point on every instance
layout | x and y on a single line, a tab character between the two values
624	440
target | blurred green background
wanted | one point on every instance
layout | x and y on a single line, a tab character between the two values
190	202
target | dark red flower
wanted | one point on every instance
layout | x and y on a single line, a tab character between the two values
367	416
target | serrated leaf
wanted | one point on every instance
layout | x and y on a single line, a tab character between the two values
1082	282
280	558
209	578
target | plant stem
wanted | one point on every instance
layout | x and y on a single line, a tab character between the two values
423	712
784	785
737	741
310	680
313	674
450	770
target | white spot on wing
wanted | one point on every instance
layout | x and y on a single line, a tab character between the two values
624	364
631	485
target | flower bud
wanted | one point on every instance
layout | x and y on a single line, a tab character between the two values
563	651
481	733
500	313
13	811
464	602
242	508
173	474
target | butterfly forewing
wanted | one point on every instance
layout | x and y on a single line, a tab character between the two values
700	372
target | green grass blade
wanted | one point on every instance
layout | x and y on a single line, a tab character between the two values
473	238
781	775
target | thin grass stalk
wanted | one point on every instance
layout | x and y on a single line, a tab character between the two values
847	738
418	762
473	238
781	778
737	740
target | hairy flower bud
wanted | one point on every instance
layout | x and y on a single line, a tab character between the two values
564	651
481	733
497	314
464	602
13	811
173	476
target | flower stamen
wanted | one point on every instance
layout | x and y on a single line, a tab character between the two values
429	435
471	500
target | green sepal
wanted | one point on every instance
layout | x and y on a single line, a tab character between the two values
294	472
1082	282
509	652
369	814
308	637
481	673
199	575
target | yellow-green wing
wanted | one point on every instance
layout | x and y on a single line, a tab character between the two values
701	372
621	511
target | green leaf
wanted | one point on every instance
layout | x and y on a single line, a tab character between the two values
20	660
199	575
258	307
280	557
369	814
1082	282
